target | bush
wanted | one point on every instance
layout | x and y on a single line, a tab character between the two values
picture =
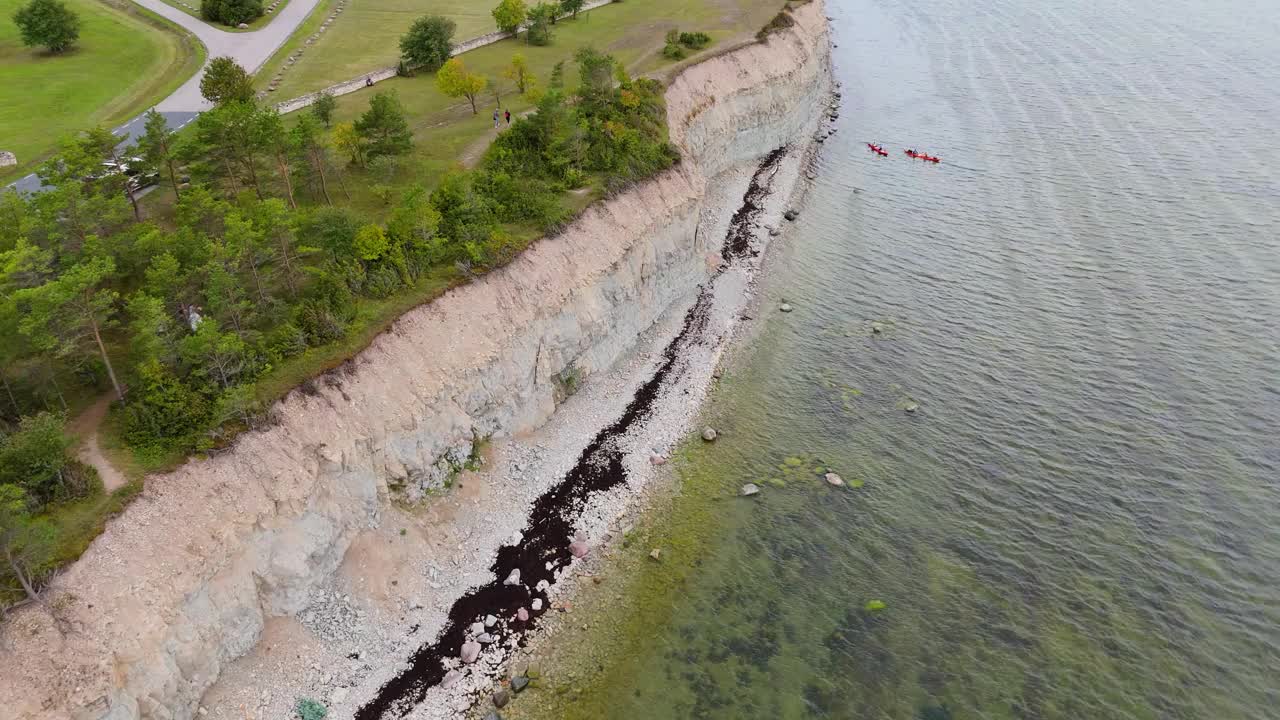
309	709
163	413
694	40
285	341
231	12
381	281
673	51
35	458
780	21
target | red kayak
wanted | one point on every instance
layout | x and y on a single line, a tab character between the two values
922	156
878	150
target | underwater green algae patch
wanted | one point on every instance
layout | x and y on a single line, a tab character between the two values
615	612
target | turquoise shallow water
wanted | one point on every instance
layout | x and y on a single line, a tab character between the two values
1084	300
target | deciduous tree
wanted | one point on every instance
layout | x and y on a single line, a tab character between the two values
455	81
225	81
510	14
428	43
572	6
518	72
49	23
349	142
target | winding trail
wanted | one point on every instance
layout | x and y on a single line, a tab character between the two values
85	426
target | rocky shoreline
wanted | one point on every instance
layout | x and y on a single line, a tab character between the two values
292	567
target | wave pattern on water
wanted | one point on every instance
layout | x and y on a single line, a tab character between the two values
1083	299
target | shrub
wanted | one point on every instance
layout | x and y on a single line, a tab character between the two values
163	413
231	12
285	341
673	51
309	709
694	40
780	21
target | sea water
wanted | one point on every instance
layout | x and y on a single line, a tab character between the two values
1081	305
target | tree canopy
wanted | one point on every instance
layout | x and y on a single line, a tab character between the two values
47	23
225	81
510	15
383	127
455	81
428	43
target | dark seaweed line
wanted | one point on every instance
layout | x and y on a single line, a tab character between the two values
737	242
545	548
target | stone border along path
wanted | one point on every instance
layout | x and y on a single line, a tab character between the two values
385	73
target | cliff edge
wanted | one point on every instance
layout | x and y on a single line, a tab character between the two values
184	581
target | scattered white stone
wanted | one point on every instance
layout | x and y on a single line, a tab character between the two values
513	578
477	628
834	479
470	651
750	489
579	549
785	307
709	434
490	621
536	604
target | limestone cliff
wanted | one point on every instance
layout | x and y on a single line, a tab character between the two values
181	583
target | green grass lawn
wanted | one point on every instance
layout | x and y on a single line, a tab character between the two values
367	35
126	60
445	129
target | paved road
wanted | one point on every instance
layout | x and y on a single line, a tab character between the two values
250	49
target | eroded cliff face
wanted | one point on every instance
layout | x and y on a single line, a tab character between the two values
182	583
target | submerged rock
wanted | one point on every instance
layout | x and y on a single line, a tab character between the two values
791	214
579	549
519	683
774	232
834	479
785	307
709	434
501	697
877	327
750	489
911	407
470	651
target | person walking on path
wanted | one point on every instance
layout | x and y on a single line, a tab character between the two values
508	118
496	117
